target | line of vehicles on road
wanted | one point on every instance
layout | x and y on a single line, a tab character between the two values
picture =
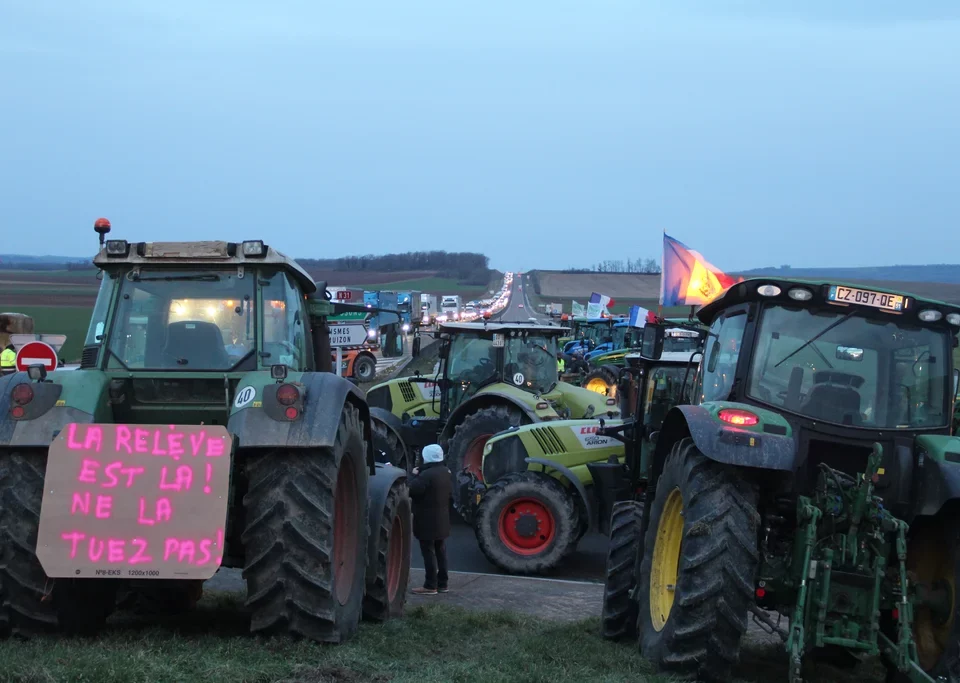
798	456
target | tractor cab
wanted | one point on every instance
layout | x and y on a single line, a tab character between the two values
838	367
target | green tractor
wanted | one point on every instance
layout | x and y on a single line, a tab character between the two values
814	475
105	486
492	376
603	373
553	482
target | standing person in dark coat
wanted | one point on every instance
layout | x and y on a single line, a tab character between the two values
432	491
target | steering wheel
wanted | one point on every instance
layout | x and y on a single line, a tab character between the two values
483	369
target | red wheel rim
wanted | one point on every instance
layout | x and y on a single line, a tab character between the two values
345	531
473	459
526	526
395	557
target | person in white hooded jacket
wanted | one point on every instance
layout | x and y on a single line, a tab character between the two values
431	490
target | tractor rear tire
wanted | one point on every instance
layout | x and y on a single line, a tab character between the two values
604	375
26	604
465	449
933	556
306	535
699	566
364	368
527	523
387	596
618	619
384	439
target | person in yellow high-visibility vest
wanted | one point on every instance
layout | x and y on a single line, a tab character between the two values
8	360
560	364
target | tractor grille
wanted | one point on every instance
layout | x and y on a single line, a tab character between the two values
88	358
407	391
548	440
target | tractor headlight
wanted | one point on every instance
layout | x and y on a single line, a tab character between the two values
768	290
953	319
930	315
253	248
117	247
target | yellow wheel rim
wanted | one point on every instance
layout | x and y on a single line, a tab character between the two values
929	559
666	559
597	385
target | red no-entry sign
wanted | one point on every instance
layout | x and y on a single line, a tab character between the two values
36	353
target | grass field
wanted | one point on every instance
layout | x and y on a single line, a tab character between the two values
430	644
438	644
69	320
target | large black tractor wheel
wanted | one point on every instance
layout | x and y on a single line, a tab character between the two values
699	565
305	540
387	442
527	523
933	557
618	619
602	380
386	597
465	450
364	368
26	595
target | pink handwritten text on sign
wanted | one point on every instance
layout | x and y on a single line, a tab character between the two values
145	501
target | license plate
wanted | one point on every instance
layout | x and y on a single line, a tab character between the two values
864	297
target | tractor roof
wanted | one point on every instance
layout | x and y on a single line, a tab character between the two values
213	254
819	289
502	327
667	356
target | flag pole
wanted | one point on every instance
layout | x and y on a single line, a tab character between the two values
663	260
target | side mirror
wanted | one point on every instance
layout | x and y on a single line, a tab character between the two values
99	332
651	344
849	353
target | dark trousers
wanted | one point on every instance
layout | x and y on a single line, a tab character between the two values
434	563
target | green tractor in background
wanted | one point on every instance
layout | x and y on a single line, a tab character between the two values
553	482
814	475
492	376
603	372
200	339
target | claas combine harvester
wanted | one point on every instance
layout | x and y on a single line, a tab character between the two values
813	474
204	428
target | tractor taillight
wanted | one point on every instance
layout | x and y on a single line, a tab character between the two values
291	413
22	394
740	418
287	394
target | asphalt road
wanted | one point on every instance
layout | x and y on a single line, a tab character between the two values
519	309
463	553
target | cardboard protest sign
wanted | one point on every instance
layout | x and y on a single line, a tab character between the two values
135	501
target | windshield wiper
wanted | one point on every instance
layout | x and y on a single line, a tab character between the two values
210	277
816	337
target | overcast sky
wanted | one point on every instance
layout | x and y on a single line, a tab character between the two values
544	133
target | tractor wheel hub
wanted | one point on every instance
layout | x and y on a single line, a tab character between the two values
527	525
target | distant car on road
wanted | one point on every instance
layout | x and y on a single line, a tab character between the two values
533	320
519	305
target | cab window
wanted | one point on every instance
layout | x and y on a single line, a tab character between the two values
722	352
283	341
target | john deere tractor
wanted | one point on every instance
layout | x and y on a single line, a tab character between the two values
813	475
553	482
105	486
492	376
